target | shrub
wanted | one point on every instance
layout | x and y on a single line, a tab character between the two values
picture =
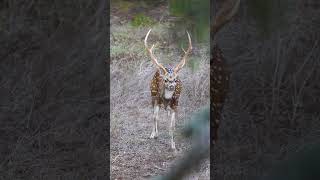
142	20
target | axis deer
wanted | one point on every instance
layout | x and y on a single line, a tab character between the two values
220	74
165	89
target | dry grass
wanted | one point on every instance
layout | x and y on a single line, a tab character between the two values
131	73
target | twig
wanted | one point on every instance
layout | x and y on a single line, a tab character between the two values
158	167
115	158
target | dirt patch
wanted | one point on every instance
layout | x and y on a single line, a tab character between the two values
134	155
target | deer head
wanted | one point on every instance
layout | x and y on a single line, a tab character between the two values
168	74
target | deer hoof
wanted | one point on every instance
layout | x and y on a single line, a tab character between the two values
153	135
174	150
156	135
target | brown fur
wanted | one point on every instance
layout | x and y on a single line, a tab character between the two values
157	95
219	86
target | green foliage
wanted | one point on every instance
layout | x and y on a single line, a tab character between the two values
127	5
199	121
193	63
124	42
124	6
142	20
195	16
270	15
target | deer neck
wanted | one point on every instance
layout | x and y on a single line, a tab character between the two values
167	94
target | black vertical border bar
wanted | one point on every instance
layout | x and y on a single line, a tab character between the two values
59	135
211	95
108	165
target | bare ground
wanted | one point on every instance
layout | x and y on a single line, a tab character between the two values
133	154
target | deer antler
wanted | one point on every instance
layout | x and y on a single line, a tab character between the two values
154	59
186	53
229	9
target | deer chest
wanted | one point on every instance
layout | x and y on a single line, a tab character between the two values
157	88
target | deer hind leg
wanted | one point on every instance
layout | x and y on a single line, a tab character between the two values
172	128
155	117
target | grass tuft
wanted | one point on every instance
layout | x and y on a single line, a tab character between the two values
142	20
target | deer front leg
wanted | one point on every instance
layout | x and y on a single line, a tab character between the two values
154	133
172	128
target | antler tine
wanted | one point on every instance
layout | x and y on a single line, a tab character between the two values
186	53
154	59
229	9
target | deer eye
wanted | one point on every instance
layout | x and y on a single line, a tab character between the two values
166	80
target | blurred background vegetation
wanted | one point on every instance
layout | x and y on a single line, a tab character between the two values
194	15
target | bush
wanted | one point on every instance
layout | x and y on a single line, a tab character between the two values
142	20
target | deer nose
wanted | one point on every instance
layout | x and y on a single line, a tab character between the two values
171	87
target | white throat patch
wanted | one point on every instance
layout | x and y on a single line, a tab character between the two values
168	94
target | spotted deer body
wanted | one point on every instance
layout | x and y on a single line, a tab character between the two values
219	88
220	74
165	89
168	99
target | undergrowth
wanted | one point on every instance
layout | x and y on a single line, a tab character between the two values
142	20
